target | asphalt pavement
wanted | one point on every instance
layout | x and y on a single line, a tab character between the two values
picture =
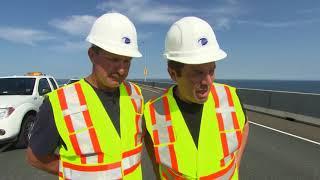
276	149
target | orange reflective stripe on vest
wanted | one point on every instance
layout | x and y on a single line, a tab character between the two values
224	174
169	173
164	138
62	177
163	133
227	121
88	155
130	161
106	171
136	100
79	125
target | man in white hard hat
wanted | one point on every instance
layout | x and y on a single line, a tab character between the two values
197	129
95	123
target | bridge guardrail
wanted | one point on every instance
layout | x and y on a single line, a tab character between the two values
303	107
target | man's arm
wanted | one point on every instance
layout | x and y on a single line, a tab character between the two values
44	141
245	133
49	163
149	146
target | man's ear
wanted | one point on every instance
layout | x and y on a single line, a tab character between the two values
172	73
91	55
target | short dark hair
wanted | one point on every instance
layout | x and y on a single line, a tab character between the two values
95	48
176	66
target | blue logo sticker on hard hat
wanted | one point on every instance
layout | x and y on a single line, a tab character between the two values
203	41
126	40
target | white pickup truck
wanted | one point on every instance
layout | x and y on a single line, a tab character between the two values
20	99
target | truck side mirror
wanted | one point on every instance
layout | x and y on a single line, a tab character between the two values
44	91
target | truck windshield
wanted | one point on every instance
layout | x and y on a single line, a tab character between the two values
16	86
72	81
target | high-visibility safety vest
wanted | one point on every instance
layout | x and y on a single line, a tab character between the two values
220	136
94	149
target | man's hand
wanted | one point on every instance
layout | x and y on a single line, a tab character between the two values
49	163
149	146
245	133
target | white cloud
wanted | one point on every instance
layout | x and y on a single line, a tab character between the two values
69	46
23	35
152	12
222	23
74	25
282	24
145	11
308	11
222	17
146	35
232	1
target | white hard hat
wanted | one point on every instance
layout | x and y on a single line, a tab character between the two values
191	40
115	33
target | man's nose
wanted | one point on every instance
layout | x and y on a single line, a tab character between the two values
122	67
207	79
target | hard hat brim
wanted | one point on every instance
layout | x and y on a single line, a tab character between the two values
116	49
195	58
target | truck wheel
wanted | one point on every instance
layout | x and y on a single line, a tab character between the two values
27	125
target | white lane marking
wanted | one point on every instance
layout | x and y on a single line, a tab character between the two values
305	139
151	90
267	127
153	87
6	146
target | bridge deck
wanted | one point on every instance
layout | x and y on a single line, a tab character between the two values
276	149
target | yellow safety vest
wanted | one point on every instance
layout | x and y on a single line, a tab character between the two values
220	136
94	149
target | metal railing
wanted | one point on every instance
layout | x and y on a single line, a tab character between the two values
303	107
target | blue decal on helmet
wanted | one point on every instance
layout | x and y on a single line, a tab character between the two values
203	41
126	40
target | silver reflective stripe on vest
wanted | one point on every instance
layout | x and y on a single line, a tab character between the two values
138	101
94	175
161	124
75	110
227	159
226	111
224	108
131	161
162	131
136	97
164	155
223	174
65	175
158	126
172	174
232	141
229	174
114	171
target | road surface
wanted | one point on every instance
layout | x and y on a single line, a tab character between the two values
276	149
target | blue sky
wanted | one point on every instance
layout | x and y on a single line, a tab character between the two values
276	39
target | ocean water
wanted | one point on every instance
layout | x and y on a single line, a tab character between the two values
276	85
62	81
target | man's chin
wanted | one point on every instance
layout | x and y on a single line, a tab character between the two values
202	97
112	84
201	100
116	82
